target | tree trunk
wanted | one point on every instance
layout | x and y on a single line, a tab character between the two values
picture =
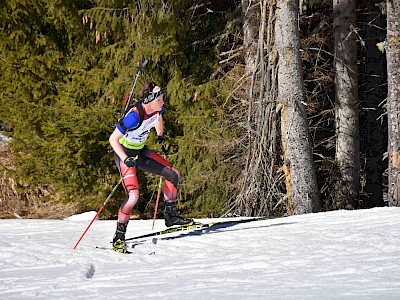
250	16
301	182
346	104
372	89
259	192
393	100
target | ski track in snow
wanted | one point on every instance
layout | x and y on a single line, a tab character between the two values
333	255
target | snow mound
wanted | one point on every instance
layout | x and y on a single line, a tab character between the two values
86	216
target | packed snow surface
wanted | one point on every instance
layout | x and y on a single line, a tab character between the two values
332	255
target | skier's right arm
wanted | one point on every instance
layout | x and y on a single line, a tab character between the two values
114	142
131	120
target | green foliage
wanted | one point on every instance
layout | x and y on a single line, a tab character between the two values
67	67
49	101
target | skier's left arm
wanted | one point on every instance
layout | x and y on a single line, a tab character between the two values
160	129
160	136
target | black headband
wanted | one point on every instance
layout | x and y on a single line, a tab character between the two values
153	92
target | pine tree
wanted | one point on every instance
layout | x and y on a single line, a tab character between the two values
47	98
347	104
68	67
301	182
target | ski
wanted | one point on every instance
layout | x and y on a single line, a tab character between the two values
197	225
189	226
105	248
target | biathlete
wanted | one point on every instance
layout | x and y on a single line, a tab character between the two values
128	143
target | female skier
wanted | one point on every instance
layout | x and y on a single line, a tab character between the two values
128	141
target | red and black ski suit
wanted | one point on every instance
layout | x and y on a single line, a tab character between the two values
147	160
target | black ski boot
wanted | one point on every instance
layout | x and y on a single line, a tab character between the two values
172	217
119	238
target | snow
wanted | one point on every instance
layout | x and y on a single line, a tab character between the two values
87	216
331	255
4	139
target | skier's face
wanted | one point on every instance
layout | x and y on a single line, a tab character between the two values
158	103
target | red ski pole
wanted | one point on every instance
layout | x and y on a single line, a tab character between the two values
99	211
166	150
158	197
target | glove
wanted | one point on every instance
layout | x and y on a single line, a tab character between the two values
165	149
130	162
160	139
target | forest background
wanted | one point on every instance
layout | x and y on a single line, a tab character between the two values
67	66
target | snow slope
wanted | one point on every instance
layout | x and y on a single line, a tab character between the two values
334	255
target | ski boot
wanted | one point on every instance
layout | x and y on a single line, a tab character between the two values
172	217
119	239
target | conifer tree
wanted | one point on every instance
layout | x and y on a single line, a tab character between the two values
301	182
48	101
68	67
347	104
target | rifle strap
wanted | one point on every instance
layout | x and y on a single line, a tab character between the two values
141	117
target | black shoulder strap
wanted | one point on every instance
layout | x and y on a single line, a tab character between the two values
141	114
141	117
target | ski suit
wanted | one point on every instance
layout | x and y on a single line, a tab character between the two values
149	161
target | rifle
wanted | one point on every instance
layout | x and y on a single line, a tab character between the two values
139	70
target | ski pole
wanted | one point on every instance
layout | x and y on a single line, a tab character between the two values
158	197
159	191
99	211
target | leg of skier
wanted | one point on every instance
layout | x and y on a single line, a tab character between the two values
130	183
155	164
